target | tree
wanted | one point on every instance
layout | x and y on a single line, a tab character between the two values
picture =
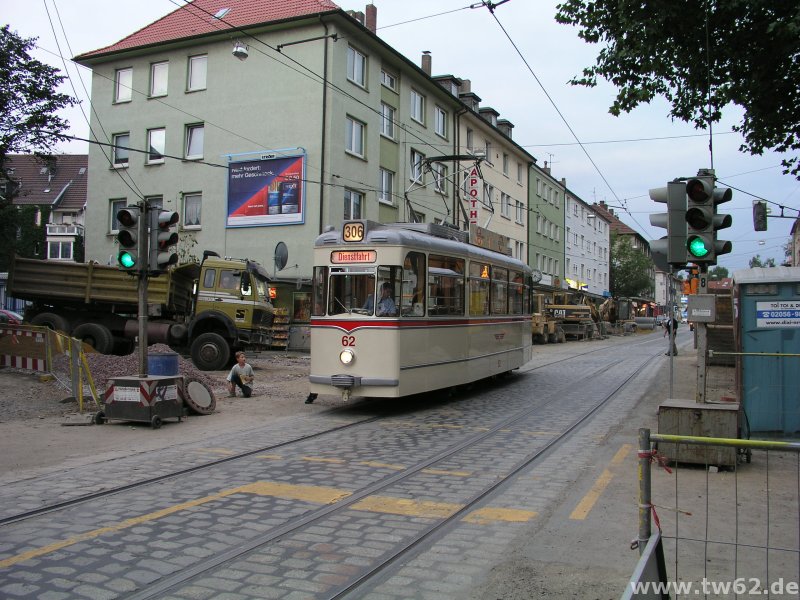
757	262
631	271
28	124
701	56
717	273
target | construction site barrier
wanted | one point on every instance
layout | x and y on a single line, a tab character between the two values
52	353
731	532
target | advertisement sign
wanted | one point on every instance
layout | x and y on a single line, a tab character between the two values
777	314
267	191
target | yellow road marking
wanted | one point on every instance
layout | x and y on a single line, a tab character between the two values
380	465
270	456
288	491
406	507
484	516
223	451
593	495
442	472
334	461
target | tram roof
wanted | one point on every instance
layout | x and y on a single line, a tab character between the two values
424	236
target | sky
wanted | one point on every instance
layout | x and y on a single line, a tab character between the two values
519	60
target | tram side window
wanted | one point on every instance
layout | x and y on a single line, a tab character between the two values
479	279
499	292
516	288
319	291
445	285
412	298
388	278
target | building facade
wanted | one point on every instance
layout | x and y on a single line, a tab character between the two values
586	247
546	231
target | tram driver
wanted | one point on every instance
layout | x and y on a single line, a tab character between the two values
386	306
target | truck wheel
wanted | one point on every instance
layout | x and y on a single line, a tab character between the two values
210	352
97	336
51	321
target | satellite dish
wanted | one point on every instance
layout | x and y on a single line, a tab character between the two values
536	276
281	255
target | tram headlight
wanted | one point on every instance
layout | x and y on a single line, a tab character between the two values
347	356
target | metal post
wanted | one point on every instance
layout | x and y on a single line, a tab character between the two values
144	254
702	341
670	316
644	488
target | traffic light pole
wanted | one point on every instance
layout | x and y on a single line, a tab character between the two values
702	339
144	248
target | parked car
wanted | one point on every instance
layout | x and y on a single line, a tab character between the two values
9	317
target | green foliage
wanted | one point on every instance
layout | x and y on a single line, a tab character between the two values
28	101
717	273
631	271
757	262
20	233
701	56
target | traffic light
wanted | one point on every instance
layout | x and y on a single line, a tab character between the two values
759	215
670	250
162	237
128	238
702	246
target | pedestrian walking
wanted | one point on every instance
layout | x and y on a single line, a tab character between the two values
671	329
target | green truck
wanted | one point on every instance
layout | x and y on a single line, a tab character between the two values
209	309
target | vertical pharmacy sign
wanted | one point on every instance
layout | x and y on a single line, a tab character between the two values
473	192
266	191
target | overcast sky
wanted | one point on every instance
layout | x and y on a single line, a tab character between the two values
627	155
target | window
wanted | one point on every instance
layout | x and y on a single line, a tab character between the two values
520	213
197	73
156	144
488	196
387	121
120	152
505	205
59	250
417	159
488	150
499	294
115	206
388	80
194	141
440	121
353	201
123	80
354	142
519	172
445	285
479	288
505	164
155	202
470	140
356	66
440	178
192	203
417	106
386	187
159	74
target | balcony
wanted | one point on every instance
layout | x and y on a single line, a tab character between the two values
66	230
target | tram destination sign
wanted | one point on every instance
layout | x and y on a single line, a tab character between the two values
346	257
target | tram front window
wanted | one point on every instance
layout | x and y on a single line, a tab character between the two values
351	292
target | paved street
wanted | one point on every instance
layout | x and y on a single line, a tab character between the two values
312	506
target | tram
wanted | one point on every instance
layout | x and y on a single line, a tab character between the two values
406	308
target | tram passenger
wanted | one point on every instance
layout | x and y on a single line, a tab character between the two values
386	305
241	375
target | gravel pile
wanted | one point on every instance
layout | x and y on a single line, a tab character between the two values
105	366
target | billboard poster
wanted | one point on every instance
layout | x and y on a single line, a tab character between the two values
267	191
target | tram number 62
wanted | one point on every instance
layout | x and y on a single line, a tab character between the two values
348	340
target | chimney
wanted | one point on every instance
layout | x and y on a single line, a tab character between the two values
505	126
546	168
426	62
466	86
564	182
357	15
372	17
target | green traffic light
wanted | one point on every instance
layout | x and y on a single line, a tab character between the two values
126	259
697	247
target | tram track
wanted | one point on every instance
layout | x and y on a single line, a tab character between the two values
404	552
417	544
227	459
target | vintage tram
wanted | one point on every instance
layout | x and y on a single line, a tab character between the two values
405	308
